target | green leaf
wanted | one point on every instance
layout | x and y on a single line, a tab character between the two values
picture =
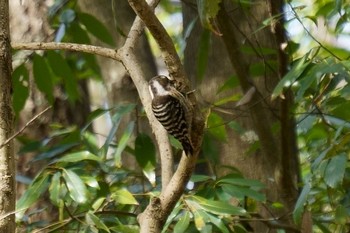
219	223
219	207
298	68
125	228
79	156
229	84
34	191
241	192
207	10
203	54
183	223
200	178
225	100
145	153
335	170
20	82
61	69
96	28
92	219
123	142
172	216
53	151
55	188
116	118
216	126
240	181
76	187
43	77
123	196
299	206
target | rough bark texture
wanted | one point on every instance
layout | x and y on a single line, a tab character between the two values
275	162
7	160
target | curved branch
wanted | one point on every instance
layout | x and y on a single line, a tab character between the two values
170	57
156	213
97	50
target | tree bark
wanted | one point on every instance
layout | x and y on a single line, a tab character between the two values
7	160
275	162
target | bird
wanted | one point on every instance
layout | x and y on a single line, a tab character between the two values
172	109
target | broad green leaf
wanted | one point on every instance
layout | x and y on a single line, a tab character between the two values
145	152
203	54
335	170
341	215
98	203
219	223
172	216
32	194
20	83
43	77
54	151
200	178
218	207
123	196
125	228
231	98
116	118
76	187
92	219
299	206
78	156
61	69
241	192
230	83
207	10
240	181
55	187
183	223
123	142
298	68
216	127
199	219
96	28
93	116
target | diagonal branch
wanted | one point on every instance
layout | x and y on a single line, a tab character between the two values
156	213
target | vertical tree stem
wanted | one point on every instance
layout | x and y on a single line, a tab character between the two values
7	160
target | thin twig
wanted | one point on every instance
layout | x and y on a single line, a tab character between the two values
24	127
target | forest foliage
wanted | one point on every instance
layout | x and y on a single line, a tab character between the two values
92	190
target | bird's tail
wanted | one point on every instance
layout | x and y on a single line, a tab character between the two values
187	145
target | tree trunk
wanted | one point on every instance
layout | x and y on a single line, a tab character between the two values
7	160
275	162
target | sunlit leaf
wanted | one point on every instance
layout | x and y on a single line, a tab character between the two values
55	187
91	218
123	196
76	187
218	207
216	126
78	156
183	223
